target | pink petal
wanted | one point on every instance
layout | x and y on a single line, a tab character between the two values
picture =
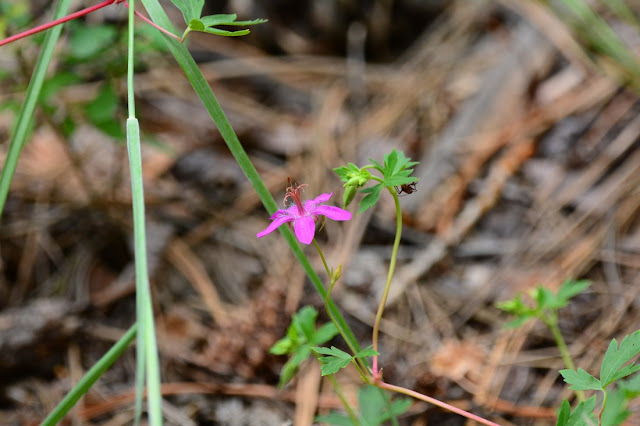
311	204
332	212
280	213
305	228
275	224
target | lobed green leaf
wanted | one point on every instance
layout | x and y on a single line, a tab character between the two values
581	380
191	9
616	356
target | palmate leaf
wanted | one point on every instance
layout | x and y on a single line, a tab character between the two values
570	289
582	415
580	380
373	194
616	356
325	333
191	9
335	361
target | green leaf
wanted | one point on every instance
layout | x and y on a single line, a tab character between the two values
196	25
570	289
373	194
581	380
375	408
191	9
336	359
631	387
305	321
390	163
366	353
332	364
399	180
225	33
518	321
52	85
104	106
372	404
86	42
615	412
221	19
291	367
281	347
398	406
582	416
616	356
335	419
325	333
564	414
252	22
332	352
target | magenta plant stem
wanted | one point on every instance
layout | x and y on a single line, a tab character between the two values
79	14
428	399
48	25
157	27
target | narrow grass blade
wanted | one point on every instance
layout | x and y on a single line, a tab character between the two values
25	117
144	306
90	378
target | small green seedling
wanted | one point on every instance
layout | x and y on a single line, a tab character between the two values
192	11
301	336
547	303
375	409
546	309
616	365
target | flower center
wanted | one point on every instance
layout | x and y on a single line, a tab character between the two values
293	192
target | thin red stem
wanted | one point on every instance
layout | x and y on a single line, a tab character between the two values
48	25
434	401
159	28
78	14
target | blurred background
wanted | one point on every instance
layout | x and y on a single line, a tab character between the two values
523	115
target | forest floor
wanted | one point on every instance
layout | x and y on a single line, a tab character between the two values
529	174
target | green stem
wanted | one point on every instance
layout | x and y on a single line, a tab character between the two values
352	415
551	320
90	378
25	117
387	286
357	362
604	404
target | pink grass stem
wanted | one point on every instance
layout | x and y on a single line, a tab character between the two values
425	398
48	25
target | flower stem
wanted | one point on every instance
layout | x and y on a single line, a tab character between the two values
357	362
336	386
551	321
385	293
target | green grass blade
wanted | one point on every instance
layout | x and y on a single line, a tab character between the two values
144	306
210	102
90	378
23	122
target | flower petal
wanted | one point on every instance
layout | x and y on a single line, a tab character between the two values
334	213
305	228
280	213
277	221
311	204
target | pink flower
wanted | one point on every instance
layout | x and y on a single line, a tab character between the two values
304	216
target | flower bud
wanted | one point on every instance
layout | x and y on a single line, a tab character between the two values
349	193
